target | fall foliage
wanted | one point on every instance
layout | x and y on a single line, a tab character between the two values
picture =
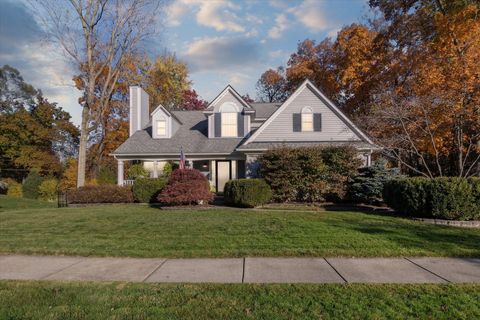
411	79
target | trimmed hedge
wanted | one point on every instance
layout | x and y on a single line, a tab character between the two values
101	194
31	185
450	198
147	190
186	186
247	193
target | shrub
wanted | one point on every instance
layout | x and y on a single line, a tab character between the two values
48	189
14	189
247	193
167	169
3	187
442	198
106	176
137	171
31	185
186	186
147	190
101	194
367	185
308	174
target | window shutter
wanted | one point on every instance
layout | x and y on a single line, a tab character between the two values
240	124
317	122
218	124
297	122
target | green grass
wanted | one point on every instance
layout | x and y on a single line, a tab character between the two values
13	203
141	231
56	300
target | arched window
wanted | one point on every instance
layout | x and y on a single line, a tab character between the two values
229	118
307	119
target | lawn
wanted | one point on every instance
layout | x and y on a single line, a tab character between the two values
57	300
13	203
141	231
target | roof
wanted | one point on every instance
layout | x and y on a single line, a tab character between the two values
264	110
192	136
254	146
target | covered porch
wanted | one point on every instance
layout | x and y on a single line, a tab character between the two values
218	170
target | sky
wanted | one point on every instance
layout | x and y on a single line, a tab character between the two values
222	41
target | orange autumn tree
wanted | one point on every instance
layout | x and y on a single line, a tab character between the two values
343	68
426	110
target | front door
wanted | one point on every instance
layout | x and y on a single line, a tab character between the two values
224	173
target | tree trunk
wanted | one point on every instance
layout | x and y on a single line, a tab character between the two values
82	150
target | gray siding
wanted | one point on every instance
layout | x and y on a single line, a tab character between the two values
133	110
281	128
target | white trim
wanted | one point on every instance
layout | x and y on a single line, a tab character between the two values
227	89
292	97
160	107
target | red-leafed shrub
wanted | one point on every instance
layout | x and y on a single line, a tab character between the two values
186	186
101	194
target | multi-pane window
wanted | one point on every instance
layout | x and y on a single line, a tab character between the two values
307	121
229	124
161	127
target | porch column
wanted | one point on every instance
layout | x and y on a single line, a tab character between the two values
190	164
120	174
155	170
368	156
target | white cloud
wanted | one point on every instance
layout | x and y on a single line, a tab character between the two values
176	11
221	53
281	24
217	14
276	53
310	13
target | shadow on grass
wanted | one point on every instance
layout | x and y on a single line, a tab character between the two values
417	235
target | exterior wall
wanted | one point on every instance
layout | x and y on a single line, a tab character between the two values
281	128
228	97
139	109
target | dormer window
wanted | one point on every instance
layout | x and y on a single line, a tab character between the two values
161	127
307	120
229	124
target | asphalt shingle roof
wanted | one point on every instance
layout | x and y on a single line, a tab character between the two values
192	136
264	110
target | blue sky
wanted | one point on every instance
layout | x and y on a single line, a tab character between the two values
223	42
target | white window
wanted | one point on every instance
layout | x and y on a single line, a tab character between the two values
307	119
229	124
161	127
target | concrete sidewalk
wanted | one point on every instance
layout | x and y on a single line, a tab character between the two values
242	270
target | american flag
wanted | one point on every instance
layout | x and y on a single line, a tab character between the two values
182	159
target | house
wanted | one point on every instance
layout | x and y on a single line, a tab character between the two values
224	140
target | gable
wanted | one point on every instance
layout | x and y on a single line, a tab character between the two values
228	96
335	126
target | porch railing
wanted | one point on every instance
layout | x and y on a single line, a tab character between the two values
128	182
